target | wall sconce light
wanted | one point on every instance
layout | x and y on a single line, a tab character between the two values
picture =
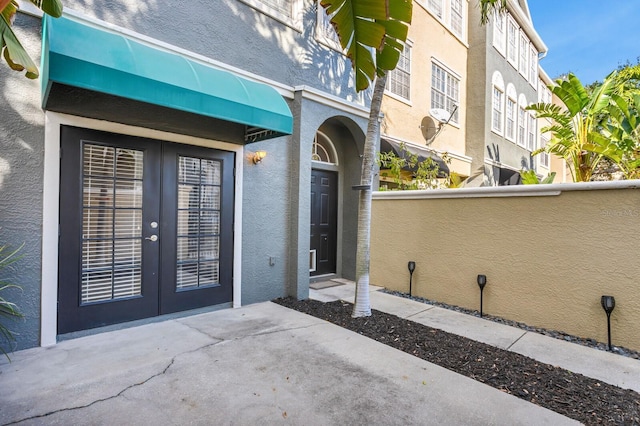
412	267
482	281
258	156
608	303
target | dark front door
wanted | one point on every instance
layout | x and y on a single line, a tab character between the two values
324	218
146	228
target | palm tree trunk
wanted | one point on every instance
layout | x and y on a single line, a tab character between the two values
362	306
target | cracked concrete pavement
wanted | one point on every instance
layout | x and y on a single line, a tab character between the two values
260	364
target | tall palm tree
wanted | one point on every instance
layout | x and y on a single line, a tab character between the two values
13	51
576	128
364	26
381	26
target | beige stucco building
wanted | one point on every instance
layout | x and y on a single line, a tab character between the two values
431	74
482	77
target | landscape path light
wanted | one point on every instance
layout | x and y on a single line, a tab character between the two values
412	267
482	281
608	303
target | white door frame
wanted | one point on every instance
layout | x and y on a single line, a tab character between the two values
51	206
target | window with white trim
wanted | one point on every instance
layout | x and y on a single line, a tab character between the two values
324	29
541	88
457	18
524	55
512	41
285	11
533	65
546	95
499	32
497	103
522	124
496	112
435	6
445	91
282	6
531	127
544	157
511	119
323	149
399	79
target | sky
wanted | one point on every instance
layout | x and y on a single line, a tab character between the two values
587	37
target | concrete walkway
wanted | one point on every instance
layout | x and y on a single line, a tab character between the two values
605	366
260	364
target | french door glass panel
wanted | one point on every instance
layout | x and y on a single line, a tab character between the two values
112	223
198	253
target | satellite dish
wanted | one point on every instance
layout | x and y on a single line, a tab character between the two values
441	115
429	129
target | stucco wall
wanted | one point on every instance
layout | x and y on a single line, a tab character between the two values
547	259
21	172
276	203
265	222
236	34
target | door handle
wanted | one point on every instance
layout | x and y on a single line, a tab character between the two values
152	238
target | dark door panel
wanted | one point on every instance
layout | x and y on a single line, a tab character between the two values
107	269
197	228
324	218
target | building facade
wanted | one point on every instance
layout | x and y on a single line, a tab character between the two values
431	75
129	170
502	80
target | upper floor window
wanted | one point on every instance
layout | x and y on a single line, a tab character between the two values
324	29
524	55
399	79
531	127
496	113
445	91
499	32
510	126
541	87
435	6
533	66
457	19
522	121
547	95
285	11
511	119
512	41
282	6
544	157
522	114
497	103
544	94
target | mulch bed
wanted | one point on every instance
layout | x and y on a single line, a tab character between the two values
573	395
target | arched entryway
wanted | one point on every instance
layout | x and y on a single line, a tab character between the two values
335	167
323	243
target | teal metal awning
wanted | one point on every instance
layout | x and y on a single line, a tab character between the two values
91	58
